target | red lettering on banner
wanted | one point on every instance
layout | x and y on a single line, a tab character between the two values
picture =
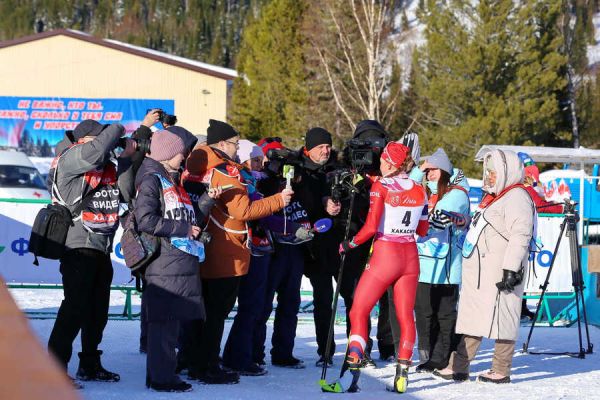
48	104
94	105
75	115
76	105
59	125
91	115
13	114
50	115
24	104
37	124
113	116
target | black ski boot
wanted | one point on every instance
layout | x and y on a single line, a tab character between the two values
91	369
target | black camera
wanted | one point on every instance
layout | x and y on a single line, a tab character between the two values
142	144
280	157
342	183
363	154
163	117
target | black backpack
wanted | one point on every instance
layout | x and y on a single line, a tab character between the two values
50	228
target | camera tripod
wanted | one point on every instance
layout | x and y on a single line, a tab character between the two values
569	228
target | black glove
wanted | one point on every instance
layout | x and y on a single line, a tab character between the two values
510	279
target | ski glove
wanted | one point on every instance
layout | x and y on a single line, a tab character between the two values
439	220
303	234
510	279
346	246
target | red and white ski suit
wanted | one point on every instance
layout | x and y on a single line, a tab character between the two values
398	210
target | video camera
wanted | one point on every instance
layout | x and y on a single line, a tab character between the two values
363	154
280	157
163	117
342	184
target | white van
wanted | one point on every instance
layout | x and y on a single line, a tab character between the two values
19	179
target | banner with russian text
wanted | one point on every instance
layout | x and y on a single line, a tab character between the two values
41	121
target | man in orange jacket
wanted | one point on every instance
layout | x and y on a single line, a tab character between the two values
227	254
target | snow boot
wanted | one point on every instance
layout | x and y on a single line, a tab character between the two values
180	386
430	366
449	375
91	369
322	360
401	378
289	362
493	377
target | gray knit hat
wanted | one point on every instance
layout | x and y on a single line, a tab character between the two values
440	160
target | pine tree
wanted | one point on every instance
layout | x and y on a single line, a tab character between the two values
493	80
270	97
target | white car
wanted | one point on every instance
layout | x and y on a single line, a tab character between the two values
19	179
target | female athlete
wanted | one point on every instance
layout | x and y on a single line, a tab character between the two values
398	210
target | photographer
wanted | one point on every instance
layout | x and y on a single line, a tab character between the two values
361	155
84	176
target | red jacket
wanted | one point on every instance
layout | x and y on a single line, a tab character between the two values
543	206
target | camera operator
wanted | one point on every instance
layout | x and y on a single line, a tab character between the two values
86	180
361	154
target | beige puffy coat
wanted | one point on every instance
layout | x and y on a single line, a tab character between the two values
503	244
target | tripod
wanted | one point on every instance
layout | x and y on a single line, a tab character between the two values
569	225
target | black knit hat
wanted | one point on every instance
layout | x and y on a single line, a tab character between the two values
88	127
316	137
218	131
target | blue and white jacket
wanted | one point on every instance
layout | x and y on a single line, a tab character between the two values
440	251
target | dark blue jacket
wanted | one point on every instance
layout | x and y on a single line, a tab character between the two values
173	289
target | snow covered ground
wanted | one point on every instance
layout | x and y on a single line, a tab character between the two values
534	376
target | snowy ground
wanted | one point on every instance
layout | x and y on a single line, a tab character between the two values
534	377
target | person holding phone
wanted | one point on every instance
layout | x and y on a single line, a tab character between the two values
440	259
227	254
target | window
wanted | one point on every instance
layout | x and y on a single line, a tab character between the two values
14	176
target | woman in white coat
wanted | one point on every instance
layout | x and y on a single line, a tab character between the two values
495	255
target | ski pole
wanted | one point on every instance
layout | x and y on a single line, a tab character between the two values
337	292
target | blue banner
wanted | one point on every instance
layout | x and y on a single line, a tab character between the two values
42	121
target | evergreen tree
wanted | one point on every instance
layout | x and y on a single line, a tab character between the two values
270	97
494	78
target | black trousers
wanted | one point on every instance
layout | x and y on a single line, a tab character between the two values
219	298
435	309
86	277
320	279
161	359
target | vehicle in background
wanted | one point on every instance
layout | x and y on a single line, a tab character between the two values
19	178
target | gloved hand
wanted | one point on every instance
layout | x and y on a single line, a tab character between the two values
303	234
510	279
439	220
346	246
